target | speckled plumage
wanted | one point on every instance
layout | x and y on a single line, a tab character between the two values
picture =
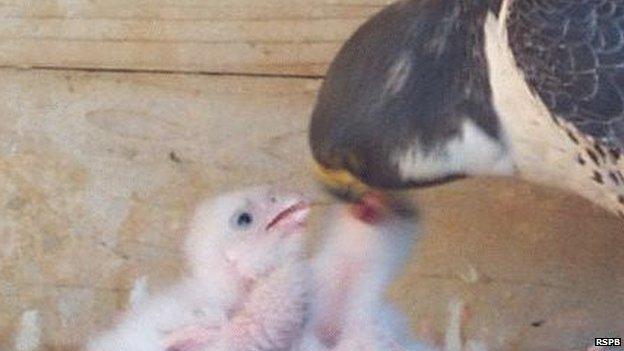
572	56
562	130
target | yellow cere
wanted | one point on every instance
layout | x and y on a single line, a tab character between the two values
340	180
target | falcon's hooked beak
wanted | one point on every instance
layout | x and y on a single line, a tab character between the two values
340	183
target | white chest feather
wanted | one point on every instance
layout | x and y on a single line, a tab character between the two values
546	150
472	152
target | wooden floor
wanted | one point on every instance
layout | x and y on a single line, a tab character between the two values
117	116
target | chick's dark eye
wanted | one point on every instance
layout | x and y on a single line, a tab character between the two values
244	219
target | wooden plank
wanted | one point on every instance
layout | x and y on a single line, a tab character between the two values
293	37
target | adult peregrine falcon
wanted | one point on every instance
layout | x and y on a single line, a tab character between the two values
431	90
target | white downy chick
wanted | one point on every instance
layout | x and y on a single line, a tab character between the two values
366	247
245	252
367	244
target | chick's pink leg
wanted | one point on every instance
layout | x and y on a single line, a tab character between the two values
272	318
191	338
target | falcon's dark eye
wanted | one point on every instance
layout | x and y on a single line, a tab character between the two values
244	220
